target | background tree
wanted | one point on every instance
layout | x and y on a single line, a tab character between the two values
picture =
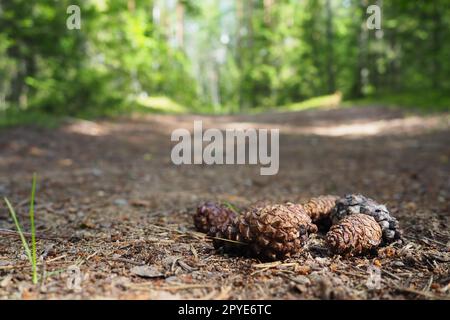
220	56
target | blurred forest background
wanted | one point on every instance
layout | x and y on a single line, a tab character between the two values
219	56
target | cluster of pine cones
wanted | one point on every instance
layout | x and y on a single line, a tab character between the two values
275	232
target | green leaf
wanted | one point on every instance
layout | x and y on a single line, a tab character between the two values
19	229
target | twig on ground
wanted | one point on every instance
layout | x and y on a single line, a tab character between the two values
150	285
128	261
390	274
418	292
428	286
8	232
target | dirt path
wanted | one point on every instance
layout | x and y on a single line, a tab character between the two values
111	198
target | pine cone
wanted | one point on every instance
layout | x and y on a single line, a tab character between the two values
354	235
357	203
227	238
271	232
211	214
321	207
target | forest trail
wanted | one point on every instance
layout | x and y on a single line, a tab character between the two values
112	199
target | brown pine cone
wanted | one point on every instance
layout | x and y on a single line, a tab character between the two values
271	232
227	238
320	207
212	214
354	235
357	203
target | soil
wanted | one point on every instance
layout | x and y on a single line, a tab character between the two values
114	215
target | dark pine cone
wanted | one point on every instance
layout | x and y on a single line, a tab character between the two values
211	215
320	207
357	203
271	232
354	235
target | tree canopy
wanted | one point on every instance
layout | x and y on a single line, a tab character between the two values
222	56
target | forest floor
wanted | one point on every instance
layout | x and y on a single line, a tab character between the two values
110	201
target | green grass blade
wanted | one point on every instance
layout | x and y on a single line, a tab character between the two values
19	229
33	230
231	207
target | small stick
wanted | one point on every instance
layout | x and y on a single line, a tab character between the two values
418	292
24	266
8	232
260	270
227	240
57	258
194	252
436	241
267	265
188	286
391	274
149	285
348	273
128	261
185	266
196	235
428	286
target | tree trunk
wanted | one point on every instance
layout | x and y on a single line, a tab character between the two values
18	80
268	4
180	24
330	49
357	89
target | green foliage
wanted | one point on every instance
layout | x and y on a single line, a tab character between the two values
12	117
327	101
214	56
160	104
101	69
424	101
31	253
282	52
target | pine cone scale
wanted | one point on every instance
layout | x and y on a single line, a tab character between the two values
211	215
270	232
358	204
321	207
279	231
354	235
